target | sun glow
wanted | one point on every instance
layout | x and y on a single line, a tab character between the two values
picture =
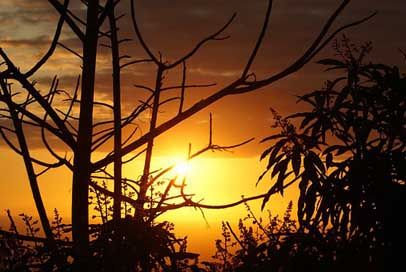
182	169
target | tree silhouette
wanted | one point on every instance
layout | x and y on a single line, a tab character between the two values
75	127
348	159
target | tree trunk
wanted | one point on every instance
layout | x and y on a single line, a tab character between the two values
140	212
117	116
82	160
29	168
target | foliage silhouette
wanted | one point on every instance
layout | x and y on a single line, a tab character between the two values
348	158
69	118
262	246
29	252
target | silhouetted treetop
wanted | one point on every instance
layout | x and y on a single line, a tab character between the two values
348	155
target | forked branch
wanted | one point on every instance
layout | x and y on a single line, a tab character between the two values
240	85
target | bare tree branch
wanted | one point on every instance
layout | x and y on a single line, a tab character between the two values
64	132
214	37
237	87
259	40
139	36
135	62
70	50
28	166
60	8
54	42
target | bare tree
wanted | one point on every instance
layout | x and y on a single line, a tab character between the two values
83	133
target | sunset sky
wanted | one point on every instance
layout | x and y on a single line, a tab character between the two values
173	28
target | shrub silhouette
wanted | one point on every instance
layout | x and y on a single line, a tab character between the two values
348	158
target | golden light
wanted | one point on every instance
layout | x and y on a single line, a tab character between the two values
182	169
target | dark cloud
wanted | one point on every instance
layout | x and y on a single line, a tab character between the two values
25	43
6	18
30	4
34	12
175	27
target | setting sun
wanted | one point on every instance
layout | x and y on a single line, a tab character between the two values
182	169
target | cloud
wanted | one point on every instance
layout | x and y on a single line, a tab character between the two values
175	27
32	12
25	43
205	72
30	4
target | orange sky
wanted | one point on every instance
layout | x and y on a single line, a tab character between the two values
214	180
173	27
